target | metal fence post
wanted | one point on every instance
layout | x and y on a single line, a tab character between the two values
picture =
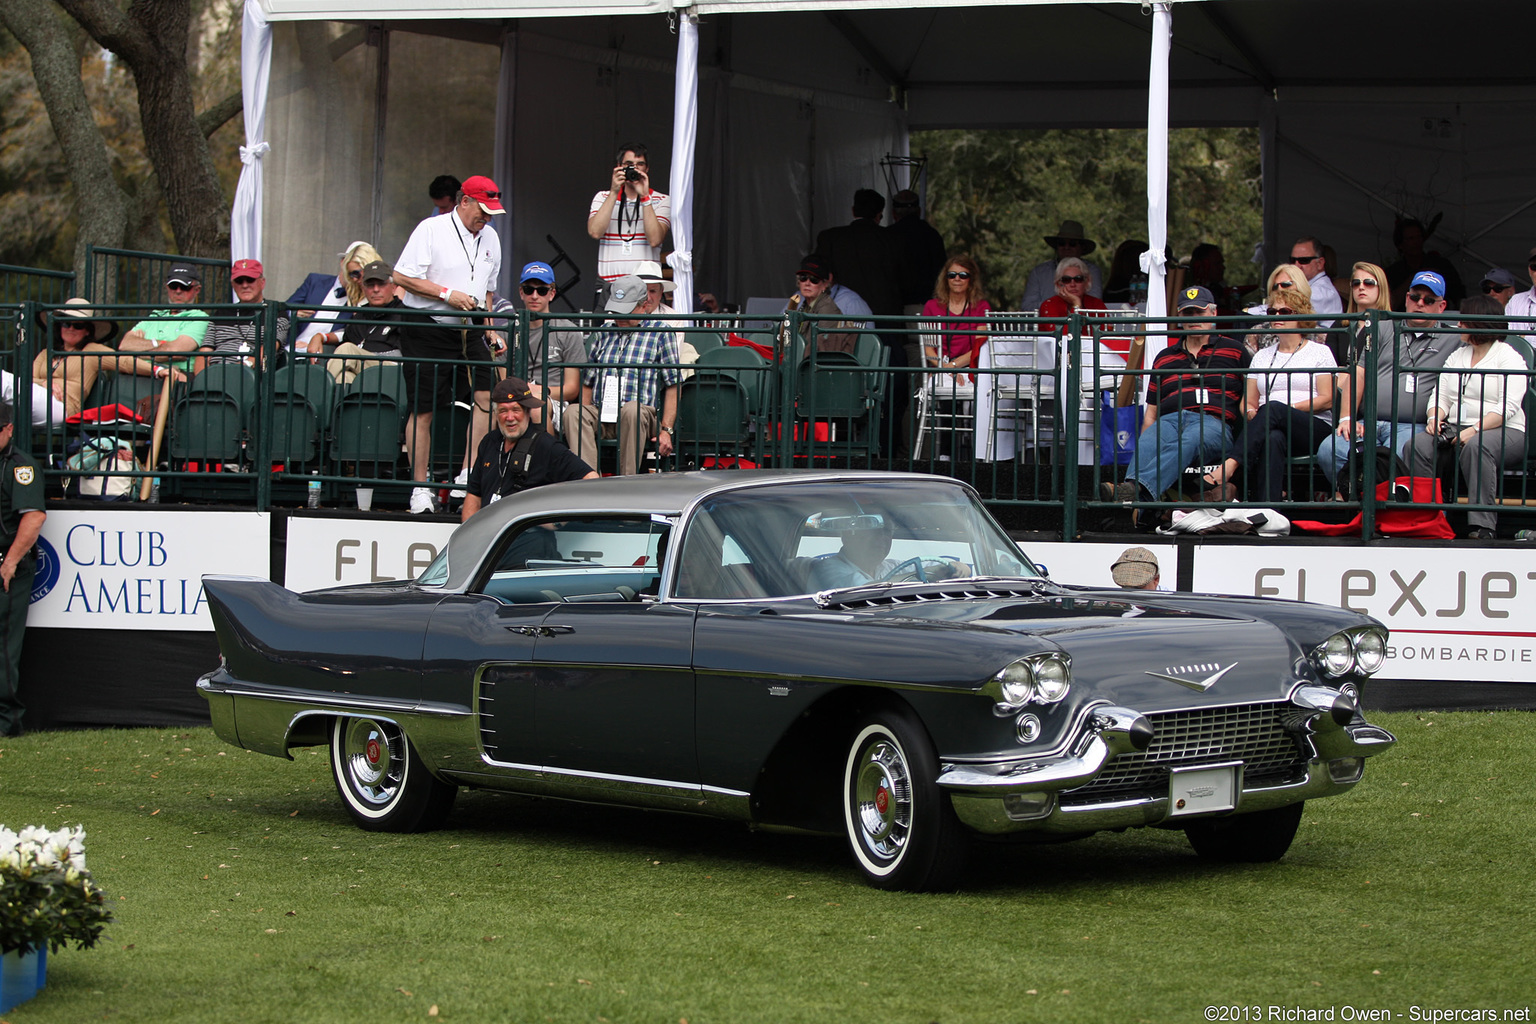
1368	417
1069	399
261	462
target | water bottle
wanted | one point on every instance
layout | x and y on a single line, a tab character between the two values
154	491
312	499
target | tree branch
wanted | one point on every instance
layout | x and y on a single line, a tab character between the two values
216	116
111	27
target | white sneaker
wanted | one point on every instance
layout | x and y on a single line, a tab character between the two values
461	480
421	500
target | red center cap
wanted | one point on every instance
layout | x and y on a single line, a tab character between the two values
882	799
373	751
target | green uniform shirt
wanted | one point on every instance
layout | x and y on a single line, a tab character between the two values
21	490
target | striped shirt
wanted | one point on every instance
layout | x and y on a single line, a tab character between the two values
613	259
1211	382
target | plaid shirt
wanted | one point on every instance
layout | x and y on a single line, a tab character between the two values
631	349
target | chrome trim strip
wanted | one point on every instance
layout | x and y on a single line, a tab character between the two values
430	708
680	788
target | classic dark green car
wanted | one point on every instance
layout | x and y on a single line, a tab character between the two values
865	653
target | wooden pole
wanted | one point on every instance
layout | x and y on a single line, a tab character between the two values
162	412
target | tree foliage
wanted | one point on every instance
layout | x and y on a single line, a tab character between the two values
47	196
997	194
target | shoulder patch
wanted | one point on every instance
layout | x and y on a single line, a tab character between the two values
24	475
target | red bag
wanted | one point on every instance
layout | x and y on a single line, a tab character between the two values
766	351
115	413
1395	518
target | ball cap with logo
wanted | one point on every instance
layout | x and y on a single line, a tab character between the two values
538	271
1431	280
244	268
515	389
1196	297
183	274
625	294
378	270
484	191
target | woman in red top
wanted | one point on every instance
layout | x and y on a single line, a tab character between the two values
1072	284
962	311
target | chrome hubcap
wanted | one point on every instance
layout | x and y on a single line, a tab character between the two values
883	796
374	756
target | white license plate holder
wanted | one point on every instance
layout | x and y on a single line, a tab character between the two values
1204	790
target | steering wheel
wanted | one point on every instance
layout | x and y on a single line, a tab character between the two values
917	567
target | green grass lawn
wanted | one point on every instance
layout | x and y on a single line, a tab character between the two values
244	893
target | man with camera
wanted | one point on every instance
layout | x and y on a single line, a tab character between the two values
628	219
449	267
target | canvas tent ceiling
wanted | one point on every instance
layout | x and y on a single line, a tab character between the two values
1368	108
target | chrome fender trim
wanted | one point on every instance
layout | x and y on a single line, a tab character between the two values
1109	731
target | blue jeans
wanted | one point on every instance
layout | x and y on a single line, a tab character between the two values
1175	441
1333	453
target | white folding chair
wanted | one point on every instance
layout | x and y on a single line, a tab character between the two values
945	399
1009	406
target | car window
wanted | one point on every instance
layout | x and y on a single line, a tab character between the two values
784	541
582	559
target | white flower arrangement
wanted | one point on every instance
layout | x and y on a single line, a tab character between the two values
47	897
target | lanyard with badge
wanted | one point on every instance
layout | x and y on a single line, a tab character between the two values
519	459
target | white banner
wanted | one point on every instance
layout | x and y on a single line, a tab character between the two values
1456	613
140	569
333	552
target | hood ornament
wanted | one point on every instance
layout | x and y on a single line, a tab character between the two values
1201	685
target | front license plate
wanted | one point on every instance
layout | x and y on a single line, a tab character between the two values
1202	790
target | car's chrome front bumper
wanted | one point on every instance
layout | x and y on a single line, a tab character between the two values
1024	794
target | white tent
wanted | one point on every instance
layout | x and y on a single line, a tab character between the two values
1367	109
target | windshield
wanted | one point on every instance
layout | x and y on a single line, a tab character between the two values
795	539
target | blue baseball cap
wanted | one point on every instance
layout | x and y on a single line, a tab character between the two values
1431	280
537	271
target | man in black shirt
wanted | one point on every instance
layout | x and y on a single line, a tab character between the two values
21	520
514	458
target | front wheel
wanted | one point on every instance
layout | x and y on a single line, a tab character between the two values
1255	838
382	780
900	824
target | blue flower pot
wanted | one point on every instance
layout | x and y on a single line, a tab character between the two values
21	977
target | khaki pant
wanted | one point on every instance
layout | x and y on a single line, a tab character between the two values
636	426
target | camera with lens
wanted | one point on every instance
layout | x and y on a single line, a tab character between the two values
1447	436
630	174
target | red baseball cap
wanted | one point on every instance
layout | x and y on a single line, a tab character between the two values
484	191
245	268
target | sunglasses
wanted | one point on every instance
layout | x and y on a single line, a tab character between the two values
804	277
354	275
177	286
1362	282
535	289
961	275
243	282
1072	279
483	195
1489	287
1280	311
1533	264
1423	298
1302	261
1283	283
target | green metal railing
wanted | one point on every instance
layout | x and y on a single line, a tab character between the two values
806	408
128	276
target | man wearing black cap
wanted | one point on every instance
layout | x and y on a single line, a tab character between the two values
1500	284
514	458
1194	404
376	329
167	333
21	520
814	295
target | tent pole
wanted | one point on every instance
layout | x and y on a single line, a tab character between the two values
1152	261
255	72
1269	180
503	161
685	127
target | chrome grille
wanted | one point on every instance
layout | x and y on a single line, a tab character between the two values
1251	733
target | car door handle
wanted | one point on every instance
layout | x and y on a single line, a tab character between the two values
541	630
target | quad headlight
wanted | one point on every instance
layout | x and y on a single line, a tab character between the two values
1361	649
1035	679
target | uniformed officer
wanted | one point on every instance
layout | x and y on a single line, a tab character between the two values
515	458
21	520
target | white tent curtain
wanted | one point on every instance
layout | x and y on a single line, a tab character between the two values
685	127
255	70
1157	162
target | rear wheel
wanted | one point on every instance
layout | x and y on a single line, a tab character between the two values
1246	838
382	780
900	824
